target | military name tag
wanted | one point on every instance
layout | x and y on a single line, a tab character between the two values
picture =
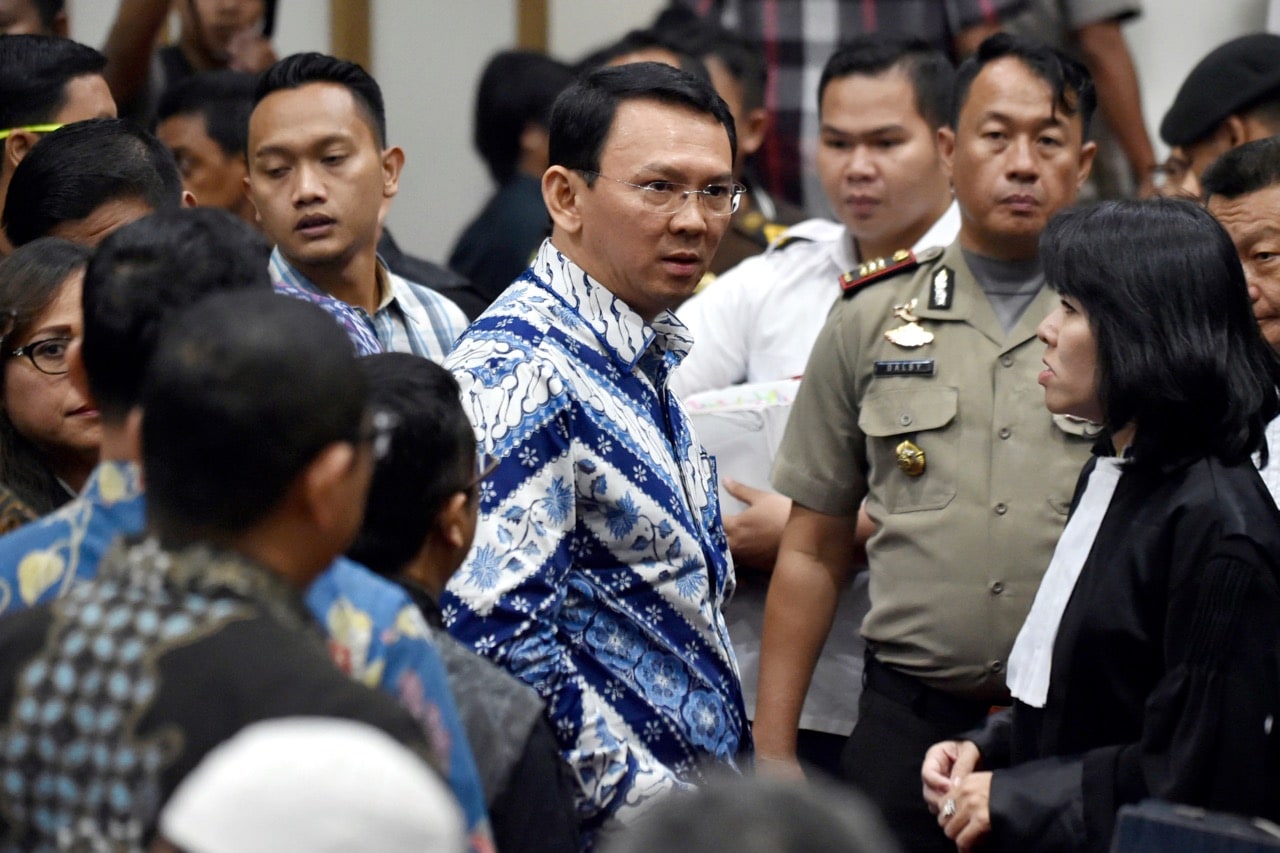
907	367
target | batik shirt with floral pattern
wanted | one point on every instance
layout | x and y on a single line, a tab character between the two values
600	563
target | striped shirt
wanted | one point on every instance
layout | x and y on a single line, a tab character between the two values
410	318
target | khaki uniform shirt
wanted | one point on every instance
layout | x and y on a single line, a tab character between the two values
960	548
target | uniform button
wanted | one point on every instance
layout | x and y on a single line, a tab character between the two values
997	666
904	419
1006	360
1001	509
1005	432
997	588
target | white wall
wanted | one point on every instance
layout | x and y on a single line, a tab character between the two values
427	54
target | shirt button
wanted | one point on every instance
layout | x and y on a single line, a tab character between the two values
1001	508
997	666
1005	432
997	588
904	419
1006	360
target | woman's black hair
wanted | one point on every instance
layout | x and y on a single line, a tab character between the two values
30	279
1179	351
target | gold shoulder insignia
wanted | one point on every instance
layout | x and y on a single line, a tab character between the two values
772	231
878	269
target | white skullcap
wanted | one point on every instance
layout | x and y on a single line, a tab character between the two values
312	784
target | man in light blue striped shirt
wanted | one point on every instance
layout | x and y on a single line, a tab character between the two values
322	178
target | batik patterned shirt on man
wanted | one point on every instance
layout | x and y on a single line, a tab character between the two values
600	563
374	632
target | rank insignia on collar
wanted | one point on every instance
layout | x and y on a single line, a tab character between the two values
941	289
912	334
874	270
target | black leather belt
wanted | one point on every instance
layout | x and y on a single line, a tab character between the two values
948	713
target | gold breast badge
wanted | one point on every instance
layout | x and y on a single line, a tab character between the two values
910	335
910	458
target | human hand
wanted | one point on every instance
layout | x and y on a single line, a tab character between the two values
970	819
755	532
249	51
786	768
945	765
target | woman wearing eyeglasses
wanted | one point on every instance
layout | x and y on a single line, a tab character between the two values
1149	664
49	430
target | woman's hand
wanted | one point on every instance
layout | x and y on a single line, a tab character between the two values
971	821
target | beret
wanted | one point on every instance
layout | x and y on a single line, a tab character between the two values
1232	77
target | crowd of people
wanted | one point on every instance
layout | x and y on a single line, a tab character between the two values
309	543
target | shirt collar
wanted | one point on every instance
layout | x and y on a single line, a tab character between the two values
114	481
623	333
282	270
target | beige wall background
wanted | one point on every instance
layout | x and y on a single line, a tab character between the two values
427	55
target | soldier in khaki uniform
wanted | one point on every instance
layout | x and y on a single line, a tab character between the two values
921	396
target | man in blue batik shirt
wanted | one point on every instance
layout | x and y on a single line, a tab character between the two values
141	275
600	565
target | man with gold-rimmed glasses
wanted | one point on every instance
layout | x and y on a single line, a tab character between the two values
45	82
600	564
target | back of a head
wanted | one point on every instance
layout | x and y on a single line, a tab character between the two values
759	815
1179	351
516	89
224	99
1069	81
34	72
431	456
242	393
644	41
146	272
1244	169
706	40
302	69
584	112
1236	77
314	784
931	73
78	168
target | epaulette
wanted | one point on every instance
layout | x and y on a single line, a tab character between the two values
879	269
785	238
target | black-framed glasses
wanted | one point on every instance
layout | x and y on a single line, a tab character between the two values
377	432
47	355
485	466
667	197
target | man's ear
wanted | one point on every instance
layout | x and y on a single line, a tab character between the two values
1087	153
189	199
751	133
947	149
561	192
453	519
323	487
392	165
257	216
18	146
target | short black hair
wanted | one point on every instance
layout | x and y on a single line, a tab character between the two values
34	72
703	39
1179	351
516	89
644	39
143	274
224	99
1070	81
301	69
1244	169
932	76
30	280
583	114
432	456
75	170
243	392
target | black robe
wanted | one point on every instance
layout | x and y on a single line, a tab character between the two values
1165	668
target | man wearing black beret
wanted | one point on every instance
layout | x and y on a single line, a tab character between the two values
1231	97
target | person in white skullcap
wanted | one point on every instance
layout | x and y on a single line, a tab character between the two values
312	784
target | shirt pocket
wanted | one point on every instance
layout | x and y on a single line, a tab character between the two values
922	416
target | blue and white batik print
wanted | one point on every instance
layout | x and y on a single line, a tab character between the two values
600	564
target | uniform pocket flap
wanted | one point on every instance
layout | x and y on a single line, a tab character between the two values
901	410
